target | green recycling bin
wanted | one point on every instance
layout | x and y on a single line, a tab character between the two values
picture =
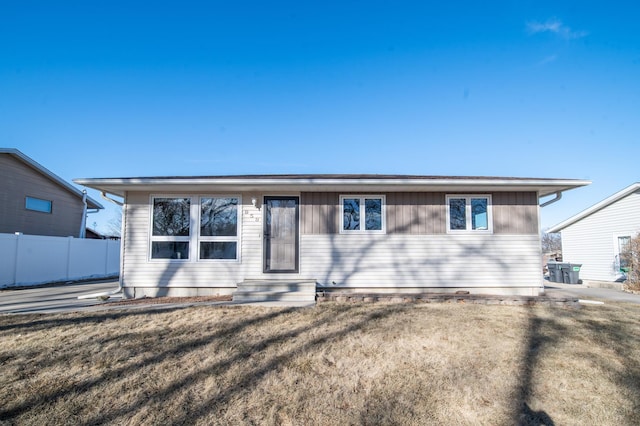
571	273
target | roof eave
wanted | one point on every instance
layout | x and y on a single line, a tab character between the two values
91	203
119	186
596	207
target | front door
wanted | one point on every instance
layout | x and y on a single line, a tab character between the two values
281	234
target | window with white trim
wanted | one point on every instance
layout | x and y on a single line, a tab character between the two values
218	237
362	214
195	228
171	228
469	213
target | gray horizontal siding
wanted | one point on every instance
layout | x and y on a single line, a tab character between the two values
18	181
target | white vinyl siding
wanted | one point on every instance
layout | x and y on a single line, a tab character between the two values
592	240
508	264
502	264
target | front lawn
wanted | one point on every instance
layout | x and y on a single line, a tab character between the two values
328	365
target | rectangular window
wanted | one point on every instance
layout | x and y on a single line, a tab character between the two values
195	228
469	213
624	245
362	213
218	228
171	228
37	205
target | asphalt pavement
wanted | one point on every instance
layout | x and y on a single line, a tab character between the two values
583	292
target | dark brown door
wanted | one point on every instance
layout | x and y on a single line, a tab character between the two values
281	234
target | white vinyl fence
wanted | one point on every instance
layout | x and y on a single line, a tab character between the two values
35	259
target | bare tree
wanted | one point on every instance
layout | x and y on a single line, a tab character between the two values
551	243
631	259
115	225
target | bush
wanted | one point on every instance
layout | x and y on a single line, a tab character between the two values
632	259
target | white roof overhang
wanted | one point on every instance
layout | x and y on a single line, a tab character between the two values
596	207
330	183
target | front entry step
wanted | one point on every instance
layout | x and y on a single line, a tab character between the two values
283	291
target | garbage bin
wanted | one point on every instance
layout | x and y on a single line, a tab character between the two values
555	272
571	273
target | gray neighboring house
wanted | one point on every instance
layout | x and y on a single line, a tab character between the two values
596	236
272	237
35	201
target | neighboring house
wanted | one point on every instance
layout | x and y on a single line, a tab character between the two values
598	235
95	235
360	233
35	201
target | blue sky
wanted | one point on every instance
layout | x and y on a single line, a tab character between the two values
530	89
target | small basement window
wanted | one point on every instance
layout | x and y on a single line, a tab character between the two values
38	205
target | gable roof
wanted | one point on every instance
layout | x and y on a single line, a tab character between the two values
91	203
332	182
596	207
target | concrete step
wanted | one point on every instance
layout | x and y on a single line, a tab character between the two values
282	287
273	296
293	291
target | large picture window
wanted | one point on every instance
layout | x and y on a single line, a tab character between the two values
171	228
175	235
218	228
362	213
469	213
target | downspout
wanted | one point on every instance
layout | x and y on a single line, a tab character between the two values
553	200
112	200
107	294
83	222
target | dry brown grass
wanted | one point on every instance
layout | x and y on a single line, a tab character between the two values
333	364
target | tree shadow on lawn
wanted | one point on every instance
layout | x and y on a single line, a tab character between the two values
535	343
116	373
620	336
353	321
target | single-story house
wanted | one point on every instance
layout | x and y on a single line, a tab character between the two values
598	235
275	234
35	201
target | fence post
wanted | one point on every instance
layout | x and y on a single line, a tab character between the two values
68	274
15	261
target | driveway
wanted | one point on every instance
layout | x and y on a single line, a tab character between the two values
586	293
52	299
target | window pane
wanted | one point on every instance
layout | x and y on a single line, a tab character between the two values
171	217
38	205
219	217
479	216
351	213
457	213
624	245
218	250
169	250
373	214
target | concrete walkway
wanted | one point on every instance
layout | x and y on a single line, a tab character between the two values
53	298
64	298
583	292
